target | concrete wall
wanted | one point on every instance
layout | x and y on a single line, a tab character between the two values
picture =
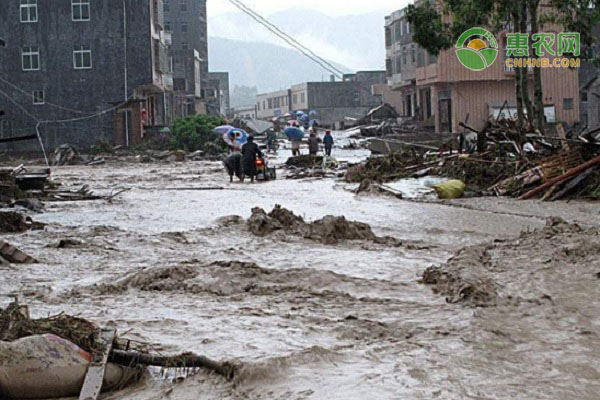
89	90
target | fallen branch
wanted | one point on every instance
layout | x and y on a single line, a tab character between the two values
188	360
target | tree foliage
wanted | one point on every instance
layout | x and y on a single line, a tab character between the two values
196	133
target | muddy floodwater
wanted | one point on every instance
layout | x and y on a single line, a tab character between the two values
165	264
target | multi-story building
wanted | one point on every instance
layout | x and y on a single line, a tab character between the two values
217	94
333	103
273	104
83	68
187	22
445	93
402	57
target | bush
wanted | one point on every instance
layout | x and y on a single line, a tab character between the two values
195	132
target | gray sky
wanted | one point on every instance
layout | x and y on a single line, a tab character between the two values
331	7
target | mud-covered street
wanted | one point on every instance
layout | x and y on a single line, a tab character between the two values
514	314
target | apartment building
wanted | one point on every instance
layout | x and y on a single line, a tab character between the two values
94	70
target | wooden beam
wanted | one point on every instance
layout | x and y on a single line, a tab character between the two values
92	386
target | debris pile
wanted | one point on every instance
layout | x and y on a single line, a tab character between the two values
15	324
387	168
66	154
328	230
305	161
507	162
12	222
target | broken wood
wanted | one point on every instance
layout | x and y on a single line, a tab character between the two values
573	184
573	172
188	360
92	385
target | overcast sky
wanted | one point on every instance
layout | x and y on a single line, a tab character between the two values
331	7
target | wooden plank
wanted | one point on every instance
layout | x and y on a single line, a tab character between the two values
92	386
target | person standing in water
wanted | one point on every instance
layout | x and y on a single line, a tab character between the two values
250	152
328	142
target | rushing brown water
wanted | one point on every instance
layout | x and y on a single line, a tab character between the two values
307	320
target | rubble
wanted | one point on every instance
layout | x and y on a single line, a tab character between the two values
66	154
12	222
305	161
13	255
501	166
328	230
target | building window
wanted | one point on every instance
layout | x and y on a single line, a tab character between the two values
302	98
357	97
167	26
184	45
584	96
38	97
404	57
30	58
80	10
568	103
2	43
398	65
29	11
82	57
183	4
413	54
166	6
184	27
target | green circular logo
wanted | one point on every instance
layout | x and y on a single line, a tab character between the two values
477	49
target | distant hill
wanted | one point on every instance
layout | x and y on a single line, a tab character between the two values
266	66
356	41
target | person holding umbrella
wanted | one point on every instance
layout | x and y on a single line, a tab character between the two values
250	151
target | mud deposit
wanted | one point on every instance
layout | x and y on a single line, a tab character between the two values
318	308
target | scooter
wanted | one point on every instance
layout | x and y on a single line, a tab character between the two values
265	172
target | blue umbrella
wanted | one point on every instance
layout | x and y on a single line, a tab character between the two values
221	130
304	118
235	137
313	112
300	113
294	133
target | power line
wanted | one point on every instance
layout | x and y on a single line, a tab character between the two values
285	38
326	65
45	102
247	9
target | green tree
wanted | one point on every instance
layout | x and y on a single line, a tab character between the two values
196	133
